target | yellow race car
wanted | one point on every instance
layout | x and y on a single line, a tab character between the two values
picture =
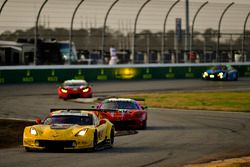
69	129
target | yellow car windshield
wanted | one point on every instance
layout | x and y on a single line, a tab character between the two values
79	120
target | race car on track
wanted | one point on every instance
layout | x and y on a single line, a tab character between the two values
221	72
74	88
69	129
124	113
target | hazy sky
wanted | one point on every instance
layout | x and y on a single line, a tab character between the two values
21	14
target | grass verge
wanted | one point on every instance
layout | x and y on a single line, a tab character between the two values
217	101
11	132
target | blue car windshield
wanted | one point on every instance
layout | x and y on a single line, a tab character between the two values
220	68
119	105
79	120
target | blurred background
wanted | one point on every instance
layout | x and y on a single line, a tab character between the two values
45	32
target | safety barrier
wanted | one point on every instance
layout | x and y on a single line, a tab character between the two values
52	74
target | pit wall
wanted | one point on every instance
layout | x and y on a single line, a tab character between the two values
59	73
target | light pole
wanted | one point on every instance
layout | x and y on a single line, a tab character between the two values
71	29
36	31
187	31
104	28
3	6
134	34
218	34
164	29
193	22
243	38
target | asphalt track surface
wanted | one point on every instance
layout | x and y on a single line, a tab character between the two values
173	137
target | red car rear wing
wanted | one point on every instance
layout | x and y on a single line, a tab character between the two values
82	109
135	98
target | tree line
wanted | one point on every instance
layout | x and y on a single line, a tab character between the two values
91	39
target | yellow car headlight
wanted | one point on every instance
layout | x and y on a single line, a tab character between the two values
220	75
33	131
85	90
82	132
205	74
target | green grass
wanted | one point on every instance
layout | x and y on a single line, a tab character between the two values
222	101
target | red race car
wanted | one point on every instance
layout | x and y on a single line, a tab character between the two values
74	89
124	113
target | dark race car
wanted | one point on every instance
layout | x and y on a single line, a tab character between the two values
74	89
221	72
124	113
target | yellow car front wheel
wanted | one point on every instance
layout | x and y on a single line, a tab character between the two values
95	142
112	137
27	149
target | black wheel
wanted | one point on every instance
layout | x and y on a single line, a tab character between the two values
227	77
144	125
95	142
112	137
109	142
236	77
27	149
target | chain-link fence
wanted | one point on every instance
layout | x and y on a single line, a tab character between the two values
44	44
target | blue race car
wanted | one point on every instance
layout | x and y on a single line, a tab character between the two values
221	72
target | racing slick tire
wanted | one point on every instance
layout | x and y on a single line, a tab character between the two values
95	142
144	125
110	142
27	149
236	77
227	77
